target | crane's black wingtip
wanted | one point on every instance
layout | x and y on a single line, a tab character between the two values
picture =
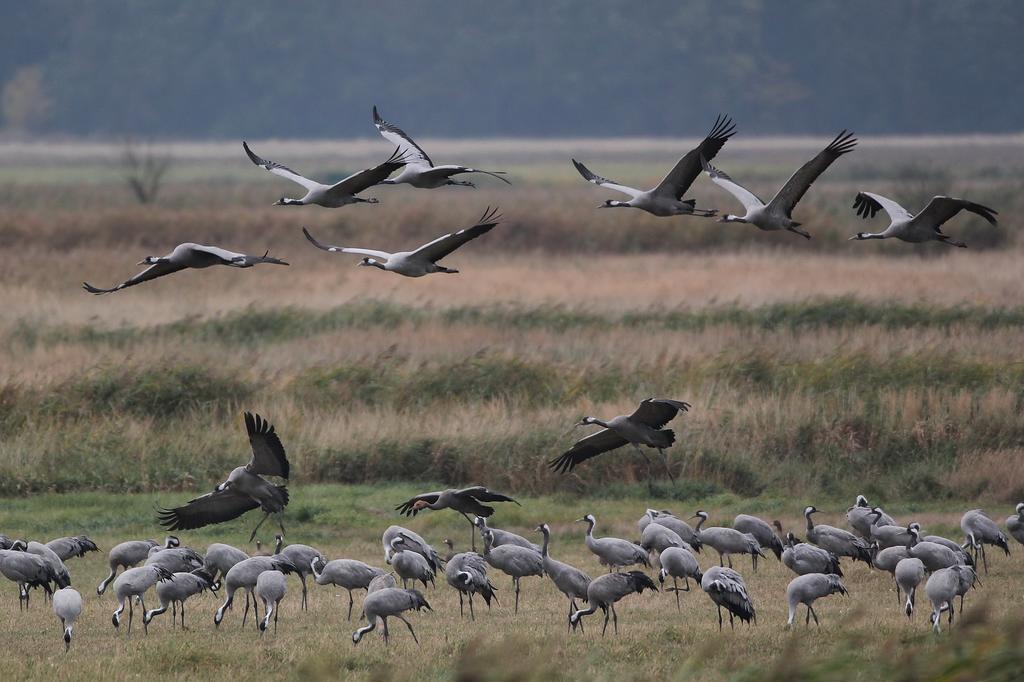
376	115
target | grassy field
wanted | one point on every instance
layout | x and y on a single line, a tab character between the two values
817	370
862	637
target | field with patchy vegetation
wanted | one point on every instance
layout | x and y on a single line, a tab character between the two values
817	370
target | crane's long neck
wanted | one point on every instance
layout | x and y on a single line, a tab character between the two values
366	628
810	524
278	545
700	522
599	422
547	537
590	528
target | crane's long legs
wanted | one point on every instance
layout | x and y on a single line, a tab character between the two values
266	515
719	618
615	618
350	602
675	588
668	465
606	615
471	614
408	625
472	531
515	582
302	577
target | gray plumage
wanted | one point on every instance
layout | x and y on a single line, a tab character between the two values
183	257
67	605
614	553
134	582
886	535
726	589
604	591
27	571
981	530
802	558
806	589
414	543
836	540
923	227
466	501
271	587
513	560
219	559
657	538
643	427
570	581
337	195
467	574
762	532
727	541
860	517
175	592
679	562
69	547
941	588
908	574
887	560
347	574
1015	523
933	555
175	559
129	554
302	557
62	577
243	576
381	582
245	488
408	564
501	537
387	603
673	523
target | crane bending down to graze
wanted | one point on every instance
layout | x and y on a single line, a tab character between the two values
69	547
673	523
410	565
726	588
942	588
184	584
908	575
806	589
133	583
762	532
387	603
777	214
836	540
381	582
727	541
245	488
679	562
244	575
413	542
60	571
614	553
1015	523
667	198
656	538
302	557
923	227
604	591
570	581
643	427
26	570
465	501
219	559
513	560
67	604
501	537
129	554
981	530
176	559
466	572
802	558
887	560
271	586
347	574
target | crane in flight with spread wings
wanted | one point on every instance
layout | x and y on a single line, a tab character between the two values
468	502
923	227
245	488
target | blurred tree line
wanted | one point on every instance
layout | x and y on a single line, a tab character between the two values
230	68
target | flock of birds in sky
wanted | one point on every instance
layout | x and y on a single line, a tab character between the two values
667	542
665	200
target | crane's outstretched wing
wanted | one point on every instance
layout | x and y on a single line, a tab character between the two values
656	412
152	272
278	169
482	494
867	205
215	507
344	249
268	455
413	153
444	245
449	170
744	195
688	168
585	448
406	507
364	179
940	209
804	177
605	182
